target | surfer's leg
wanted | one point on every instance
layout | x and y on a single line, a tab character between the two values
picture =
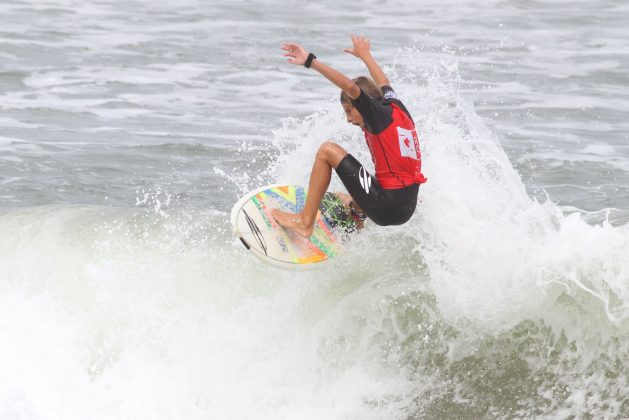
328	157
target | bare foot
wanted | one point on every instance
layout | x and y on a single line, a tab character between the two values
293	222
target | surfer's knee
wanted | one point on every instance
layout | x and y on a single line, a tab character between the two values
326	149
331	153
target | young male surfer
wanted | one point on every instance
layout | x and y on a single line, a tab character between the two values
390	197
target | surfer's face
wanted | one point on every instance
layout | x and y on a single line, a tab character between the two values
353	116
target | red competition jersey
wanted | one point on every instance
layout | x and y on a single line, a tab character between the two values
395	152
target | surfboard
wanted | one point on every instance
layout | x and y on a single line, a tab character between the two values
257	230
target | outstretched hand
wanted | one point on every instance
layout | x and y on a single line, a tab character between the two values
296	53
361	47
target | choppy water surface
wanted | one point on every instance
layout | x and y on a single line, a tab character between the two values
127	130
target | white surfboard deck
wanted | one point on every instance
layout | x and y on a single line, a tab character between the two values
255	227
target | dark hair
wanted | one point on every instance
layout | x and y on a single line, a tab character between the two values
367	85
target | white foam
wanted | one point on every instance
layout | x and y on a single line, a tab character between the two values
493	252
146	314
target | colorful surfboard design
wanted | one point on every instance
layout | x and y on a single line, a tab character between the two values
260	233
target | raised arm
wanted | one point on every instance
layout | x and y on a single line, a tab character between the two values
298	56
361	50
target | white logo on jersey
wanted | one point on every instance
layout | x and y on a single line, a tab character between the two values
365	179
390	94
408	144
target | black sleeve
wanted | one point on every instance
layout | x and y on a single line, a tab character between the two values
389	96
377	116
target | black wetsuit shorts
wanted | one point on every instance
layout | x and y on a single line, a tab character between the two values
384	207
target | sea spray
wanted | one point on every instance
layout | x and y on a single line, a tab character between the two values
495	265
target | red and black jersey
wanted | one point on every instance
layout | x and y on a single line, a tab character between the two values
392	140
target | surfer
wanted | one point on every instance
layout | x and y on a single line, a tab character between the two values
390	197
